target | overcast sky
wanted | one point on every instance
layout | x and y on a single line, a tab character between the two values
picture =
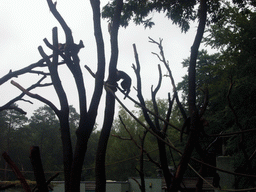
24	24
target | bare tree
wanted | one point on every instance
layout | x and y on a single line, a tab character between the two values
194	123
110	86
73	159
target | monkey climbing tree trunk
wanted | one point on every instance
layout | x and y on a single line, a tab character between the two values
195	120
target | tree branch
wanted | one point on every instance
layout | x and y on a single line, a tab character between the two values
166	64
131	137
52	66
153	95
168	114
110	102
233	133
27	69
65	27
193	113
139	90
36	96
90	71
8	105
152	113
101	63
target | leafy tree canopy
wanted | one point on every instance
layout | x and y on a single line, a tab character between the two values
230	78
180	12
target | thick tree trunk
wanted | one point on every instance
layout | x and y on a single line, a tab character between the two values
193	138
141	172
83	134
102	145
110	102
164	163
195	120
67	150
36	162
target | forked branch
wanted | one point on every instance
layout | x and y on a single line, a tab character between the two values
35	96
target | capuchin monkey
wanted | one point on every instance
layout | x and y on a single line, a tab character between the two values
75	48
126	83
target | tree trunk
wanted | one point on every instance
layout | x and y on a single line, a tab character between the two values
36	162
110	87
83	135
164	164
102	145
67	149
195	120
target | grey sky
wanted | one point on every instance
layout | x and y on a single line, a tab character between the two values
24	24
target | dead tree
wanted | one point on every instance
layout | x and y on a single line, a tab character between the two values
154	125
194	114
110	87
73	159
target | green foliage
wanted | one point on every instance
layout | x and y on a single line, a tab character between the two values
124	153
89	161
13	132
234	35
45	130
180	13
42	129
18	134
208	68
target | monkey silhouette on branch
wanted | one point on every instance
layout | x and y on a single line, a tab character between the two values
120	75
126	83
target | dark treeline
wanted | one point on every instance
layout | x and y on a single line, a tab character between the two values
19	133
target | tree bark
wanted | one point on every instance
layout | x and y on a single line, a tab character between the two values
110	102
102	145
195	120
87	119
36	162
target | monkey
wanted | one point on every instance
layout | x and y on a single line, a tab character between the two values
61	47
126	83
75	48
